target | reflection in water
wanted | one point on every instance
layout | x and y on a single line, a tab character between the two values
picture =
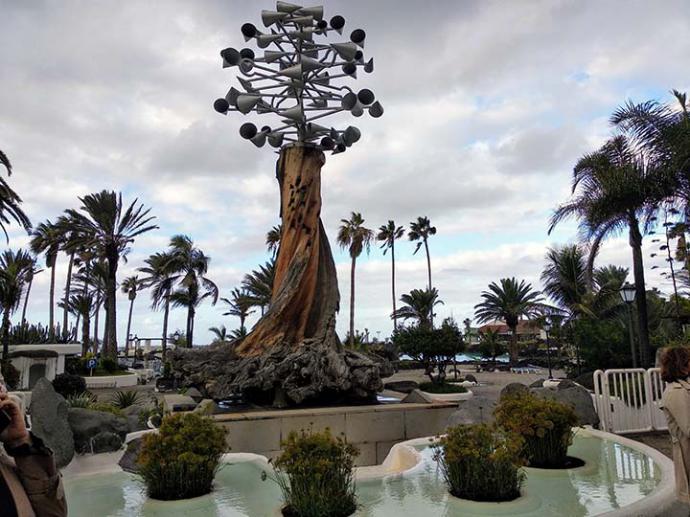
612	477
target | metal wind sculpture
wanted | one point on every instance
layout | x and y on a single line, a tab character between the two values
293	352
296	80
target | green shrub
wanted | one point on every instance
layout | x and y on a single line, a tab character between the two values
125	399
480	463
81	400
105	407
315	474
10	374
545	427
446	387
108	364
181	460
67	384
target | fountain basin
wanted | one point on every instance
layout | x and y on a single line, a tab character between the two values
620	477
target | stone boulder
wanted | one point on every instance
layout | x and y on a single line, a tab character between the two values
471	378
135	421
577	397
539	383
49	421
476	410
401	386
418	397
128	462
194	394
87	423
106	442
206	407
514	388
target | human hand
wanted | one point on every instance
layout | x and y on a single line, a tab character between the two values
15	434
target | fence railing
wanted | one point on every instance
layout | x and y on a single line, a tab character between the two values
629	400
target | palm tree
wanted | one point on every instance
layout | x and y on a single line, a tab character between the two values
419	305
273	239
10	201
160	279
130	286
388	234
613	188
92	278
239	304
15	266
662	133
510	301
82	305
71	244
105	224
421	230
565	277
220	333
46	238
29	282
190	266
258	285
355	237
490	344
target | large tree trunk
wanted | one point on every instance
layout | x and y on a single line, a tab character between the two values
68	283
166	313
428	267
305	290
640	293
292	354
111	305
51	312
190	335
5	334
395	318
129	326
513	346
26	300
85	335
95	326
352	303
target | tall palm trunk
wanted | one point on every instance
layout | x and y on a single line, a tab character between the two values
428	267
129	326
86	323
111	304
164	343
95	326
242	318
513	345
68	285
351	342
26	300
5	334
51	312
85	289
395	318
640	292
190	327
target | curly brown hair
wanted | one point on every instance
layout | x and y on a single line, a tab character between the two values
675	364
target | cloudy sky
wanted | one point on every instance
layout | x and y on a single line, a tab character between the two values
488	106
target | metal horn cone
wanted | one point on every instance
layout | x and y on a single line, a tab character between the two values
304	21
294	113
271	17
369	66
376	110
345	50
315	11
232	95
309	64
293	72
259	139
351	135
275	139
246	102
285	7
272	55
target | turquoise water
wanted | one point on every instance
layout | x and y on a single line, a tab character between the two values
614	476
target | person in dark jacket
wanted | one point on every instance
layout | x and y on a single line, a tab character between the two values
30	484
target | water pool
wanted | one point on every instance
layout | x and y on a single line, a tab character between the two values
614	476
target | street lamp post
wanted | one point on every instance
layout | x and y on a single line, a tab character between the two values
627	293
547	329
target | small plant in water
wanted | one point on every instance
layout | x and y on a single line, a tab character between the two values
545	426
480	463
181	460
315	472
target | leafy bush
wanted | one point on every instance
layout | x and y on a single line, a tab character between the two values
315	474
181	460
480	463
67	384
105	407
23	334
545	427
125	399
109	365
81	400
434	348
446	387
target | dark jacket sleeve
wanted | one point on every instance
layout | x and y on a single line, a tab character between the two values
35	467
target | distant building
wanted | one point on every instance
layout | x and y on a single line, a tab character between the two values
526	330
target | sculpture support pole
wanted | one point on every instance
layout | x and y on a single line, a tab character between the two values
305	291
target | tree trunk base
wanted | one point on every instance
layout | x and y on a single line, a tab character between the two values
284	375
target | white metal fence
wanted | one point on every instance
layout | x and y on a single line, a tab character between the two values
629	400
